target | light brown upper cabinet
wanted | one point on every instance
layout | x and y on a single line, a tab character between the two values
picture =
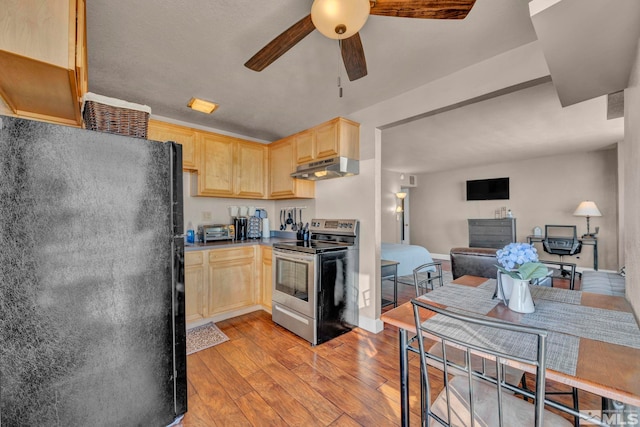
230	167
337	137
251	169
305	145
282	163
161	131
43	58
215	172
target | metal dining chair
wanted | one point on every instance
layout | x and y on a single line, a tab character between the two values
425	275
557	270
472	397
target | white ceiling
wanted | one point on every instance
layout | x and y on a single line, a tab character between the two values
521	125
163	52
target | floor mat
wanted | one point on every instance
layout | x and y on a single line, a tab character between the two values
204	336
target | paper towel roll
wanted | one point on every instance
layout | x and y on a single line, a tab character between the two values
266	232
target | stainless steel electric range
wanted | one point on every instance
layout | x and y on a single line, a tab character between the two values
315	282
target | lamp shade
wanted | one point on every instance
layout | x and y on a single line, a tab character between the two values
401	195
587	208
339	19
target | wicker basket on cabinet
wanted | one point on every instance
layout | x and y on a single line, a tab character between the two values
112	115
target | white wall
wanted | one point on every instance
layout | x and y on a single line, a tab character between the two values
195	208
354	197
632	184
390	224
538	196
522	64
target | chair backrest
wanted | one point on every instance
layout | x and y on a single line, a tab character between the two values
561	240
557	270
498	342
425	275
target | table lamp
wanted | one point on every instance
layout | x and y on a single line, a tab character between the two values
588	209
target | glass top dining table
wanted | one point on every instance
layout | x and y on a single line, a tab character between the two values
594	340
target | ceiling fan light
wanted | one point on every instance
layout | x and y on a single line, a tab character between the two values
339	19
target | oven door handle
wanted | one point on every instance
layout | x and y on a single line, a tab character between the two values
293	256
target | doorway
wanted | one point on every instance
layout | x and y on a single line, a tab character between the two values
404	218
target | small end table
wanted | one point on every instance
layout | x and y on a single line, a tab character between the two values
389	269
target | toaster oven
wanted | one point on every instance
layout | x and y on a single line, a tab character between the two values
212	232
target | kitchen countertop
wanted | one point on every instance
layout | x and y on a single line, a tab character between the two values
233	243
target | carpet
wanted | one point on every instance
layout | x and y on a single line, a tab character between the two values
204	336
408	279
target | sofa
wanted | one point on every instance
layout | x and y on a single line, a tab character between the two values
602	282
474	261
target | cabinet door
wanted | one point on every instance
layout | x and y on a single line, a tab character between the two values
282	164
82	78
40	76
327	142
251	170
185	136
195	299
265	295
231	279
215	174
305	147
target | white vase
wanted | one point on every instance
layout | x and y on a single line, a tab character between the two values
506	284
520	299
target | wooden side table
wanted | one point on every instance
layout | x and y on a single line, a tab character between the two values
389	269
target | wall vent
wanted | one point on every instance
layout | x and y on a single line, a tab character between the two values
412	181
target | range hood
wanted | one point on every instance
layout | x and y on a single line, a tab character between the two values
328	168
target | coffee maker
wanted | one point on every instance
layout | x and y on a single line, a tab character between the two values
241	224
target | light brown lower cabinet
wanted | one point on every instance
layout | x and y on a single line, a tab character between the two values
195	297
266	279
231	279
219	282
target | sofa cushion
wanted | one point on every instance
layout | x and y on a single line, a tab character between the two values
474	261
600	282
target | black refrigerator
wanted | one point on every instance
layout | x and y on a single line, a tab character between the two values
92	322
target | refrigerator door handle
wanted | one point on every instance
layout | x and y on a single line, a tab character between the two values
178	288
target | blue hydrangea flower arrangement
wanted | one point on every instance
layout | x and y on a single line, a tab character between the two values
520	261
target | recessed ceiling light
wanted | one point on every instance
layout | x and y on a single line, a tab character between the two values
202	105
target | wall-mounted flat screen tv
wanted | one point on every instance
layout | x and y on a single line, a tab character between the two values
488	189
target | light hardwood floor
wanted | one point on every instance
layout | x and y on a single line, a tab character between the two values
267	376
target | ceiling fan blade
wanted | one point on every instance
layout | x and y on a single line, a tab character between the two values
281	44
425	9
353	57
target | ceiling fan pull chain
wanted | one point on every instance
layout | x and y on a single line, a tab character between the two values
339	68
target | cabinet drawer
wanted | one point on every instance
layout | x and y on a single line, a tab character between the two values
231	253
491	222
490	231
193	258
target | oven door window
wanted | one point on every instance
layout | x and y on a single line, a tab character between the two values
294	278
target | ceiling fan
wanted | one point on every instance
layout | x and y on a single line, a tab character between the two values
342	19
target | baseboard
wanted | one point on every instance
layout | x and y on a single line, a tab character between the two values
224	316
371	325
